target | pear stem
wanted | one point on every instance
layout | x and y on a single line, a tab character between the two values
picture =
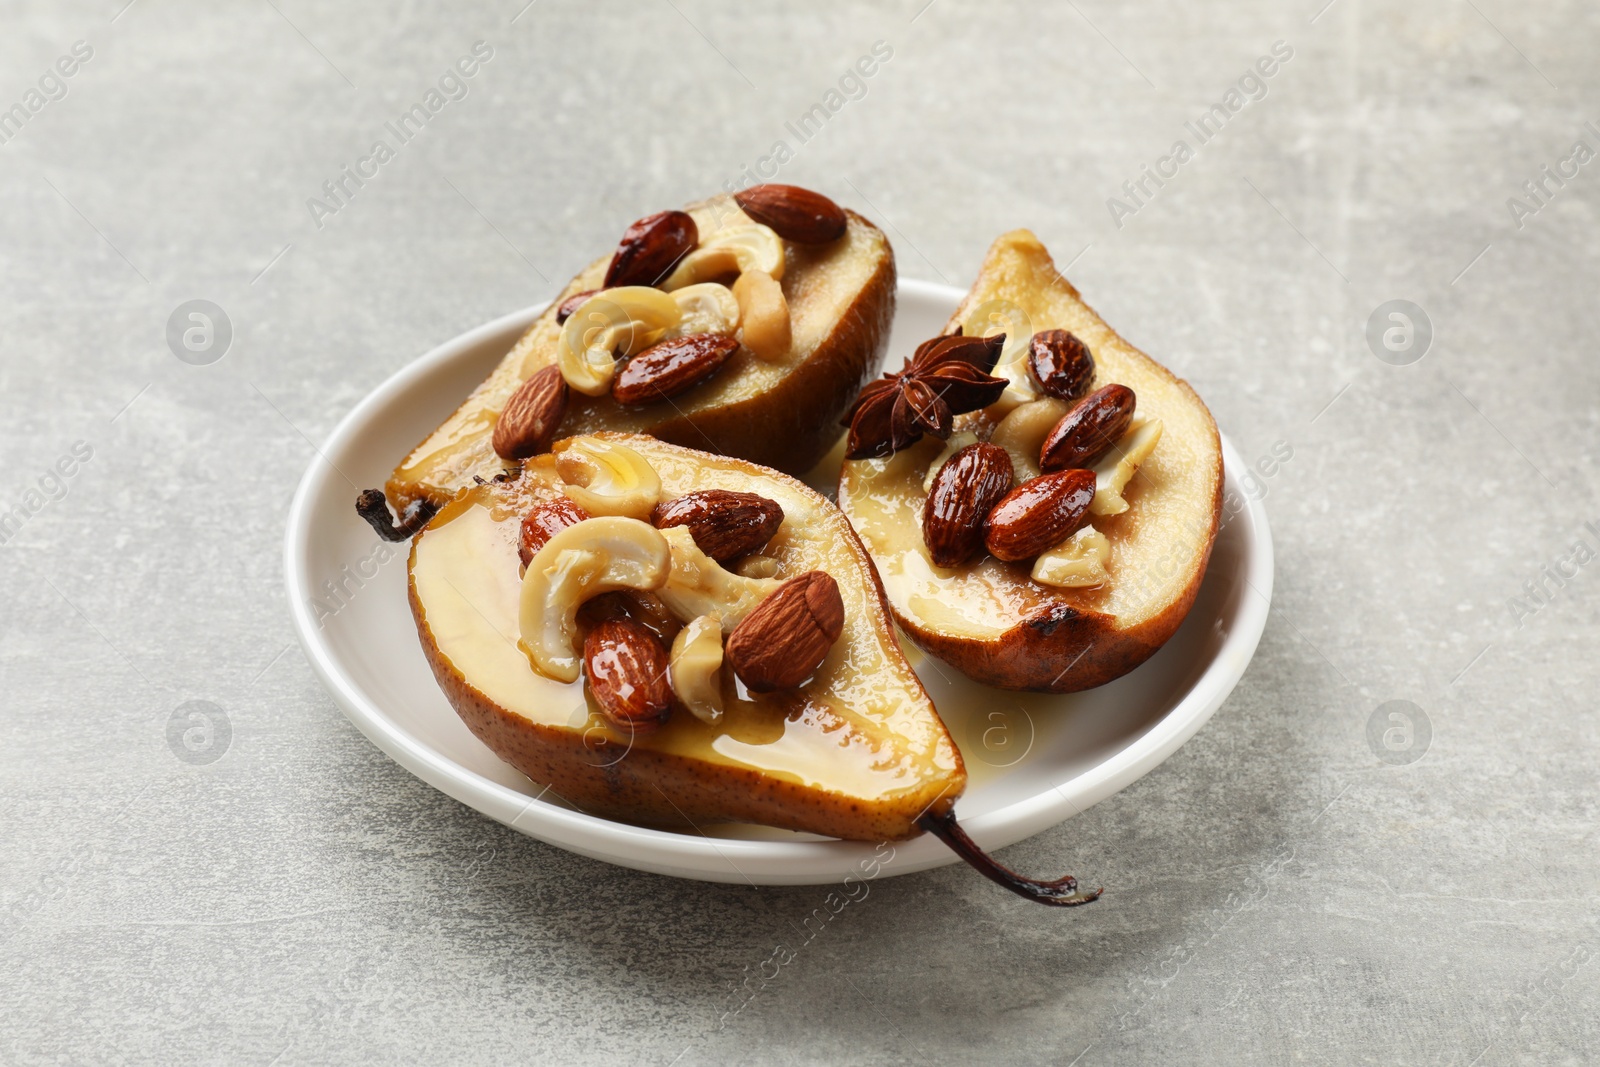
1060	893
374	507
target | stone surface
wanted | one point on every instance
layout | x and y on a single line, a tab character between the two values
1277	892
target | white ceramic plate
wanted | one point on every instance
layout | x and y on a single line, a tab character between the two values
1033	760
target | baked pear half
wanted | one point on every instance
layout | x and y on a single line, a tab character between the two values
671	637
849	747
1039	496
742	325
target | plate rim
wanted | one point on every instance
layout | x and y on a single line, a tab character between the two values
730	859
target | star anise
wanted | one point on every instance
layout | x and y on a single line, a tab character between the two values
945	377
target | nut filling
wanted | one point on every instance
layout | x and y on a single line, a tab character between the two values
613	576
1038	459
675	306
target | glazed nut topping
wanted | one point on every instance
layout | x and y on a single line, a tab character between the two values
651	248
1087	432
1039	514
696	669
1113	473
764	313
793	213
530	419
1079	562
724	524
605	478
699	585
616	322
955	444
572	303
1023	430
731	250
640	606
542	522
670	367
1061	363
708	307
785	639
965	490
757	565
580	562
627	671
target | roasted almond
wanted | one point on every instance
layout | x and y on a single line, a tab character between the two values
530	419
627	671
635	605
725	524
573	303
1061	363
668	368
1039	514
782	642
1087	432
543	521
793	213
964	491
651	247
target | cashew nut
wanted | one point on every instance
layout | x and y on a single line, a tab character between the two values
755	565
1076	563
765	312
732	248
605	478
580	562
699	585
620	321
1002	316
695	670
708	307
1022	433
1112	474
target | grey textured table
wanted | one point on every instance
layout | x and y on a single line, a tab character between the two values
1308	879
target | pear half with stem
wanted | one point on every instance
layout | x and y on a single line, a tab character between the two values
857	752
1113	594
850	747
